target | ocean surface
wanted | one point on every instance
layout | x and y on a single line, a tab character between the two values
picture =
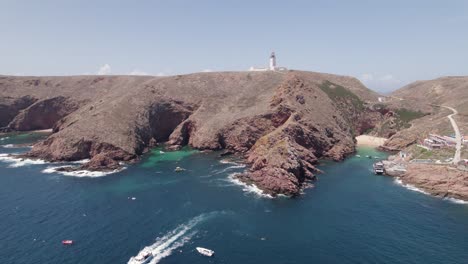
351	216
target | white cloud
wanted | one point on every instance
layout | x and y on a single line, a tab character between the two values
382	83
207	70
138	72
387	77
367	77
104	70
371	78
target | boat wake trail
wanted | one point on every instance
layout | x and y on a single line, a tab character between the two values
164	246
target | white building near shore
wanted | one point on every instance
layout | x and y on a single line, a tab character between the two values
271	67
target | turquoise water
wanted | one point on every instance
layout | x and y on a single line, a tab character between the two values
351	216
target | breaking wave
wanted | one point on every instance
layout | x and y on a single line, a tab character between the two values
19	162
409	186
80	173
413	188
83	161
4	138
226	161
164	246
454	200
237	166
248	188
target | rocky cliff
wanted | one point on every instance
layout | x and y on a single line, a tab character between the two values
281	121
426	97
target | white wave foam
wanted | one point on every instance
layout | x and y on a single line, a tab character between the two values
454	200
409	186
83	161
238	166
80	173
249	188
226	161
164	246
19	162
14	146
413	188
5	138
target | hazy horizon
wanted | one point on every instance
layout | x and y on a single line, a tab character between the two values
386	45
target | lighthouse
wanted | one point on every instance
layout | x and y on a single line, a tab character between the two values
272	61
271	67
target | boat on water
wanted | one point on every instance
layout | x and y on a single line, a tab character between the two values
143	257
179	169
379	168
205	251
67	242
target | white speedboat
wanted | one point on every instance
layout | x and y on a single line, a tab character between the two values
143	257
205	251
179	169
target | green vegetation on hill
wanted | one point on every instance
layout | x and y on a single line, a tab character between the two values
407	115
338	94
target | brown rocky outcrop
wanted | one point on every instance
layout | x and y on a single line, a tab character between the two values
101	161
11	106
43	114
438	180
282	122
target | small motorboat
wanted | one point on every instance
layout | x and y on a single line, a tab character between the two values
143	257
179	169
205	251
67	242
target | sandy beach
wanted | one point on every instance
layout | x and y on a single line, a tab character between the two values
365	140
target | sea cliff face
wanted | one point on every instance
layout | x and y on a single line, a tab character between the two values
281	122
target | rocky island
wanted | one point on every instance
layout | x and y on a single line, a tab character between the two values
281	122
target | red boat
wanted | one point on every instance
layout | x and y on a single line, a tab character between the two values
67	242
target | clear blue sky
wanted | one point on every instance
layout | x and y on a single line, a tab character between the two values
384	43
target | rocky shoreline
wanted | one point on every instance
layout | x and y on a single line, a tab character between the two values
281	123
440	180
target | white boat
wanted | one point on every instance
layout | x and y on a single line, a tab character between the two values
205	251
379	168
143	257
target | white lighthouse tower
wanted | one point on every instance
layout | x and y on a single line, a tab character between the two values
271	67
272	61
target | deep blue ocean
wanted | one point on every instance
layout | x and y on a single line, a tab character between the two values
351	216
